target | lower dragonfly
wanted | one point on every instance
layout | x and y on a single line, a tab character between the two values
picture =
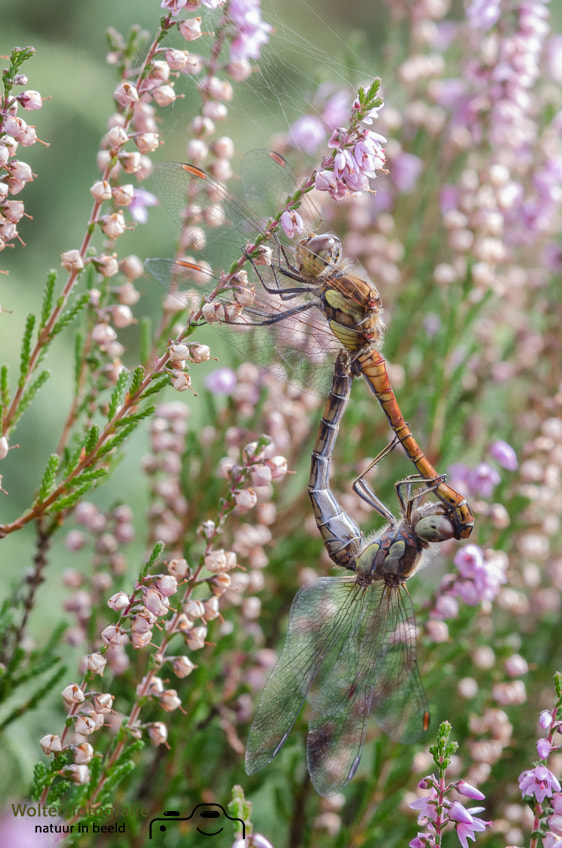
350	649
323	309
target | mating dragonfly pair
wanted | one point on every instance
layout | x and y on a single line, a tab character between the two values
350	647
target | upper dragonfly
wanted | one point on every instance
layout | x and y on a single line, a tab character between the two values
350	648
308	306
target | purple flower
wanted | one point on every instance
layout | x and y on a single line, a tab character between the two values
483	14
467	823
480	578
308	133
142	199
483	479
543	748
405	171
292	223
545	719
221	381
469	791
504	454
253	32
538	783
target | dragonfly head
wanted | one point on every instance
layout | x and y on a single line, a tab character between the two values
319	255
434	528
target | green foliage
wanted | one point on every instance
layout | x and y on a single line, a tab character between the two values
25	356
49	477
48	298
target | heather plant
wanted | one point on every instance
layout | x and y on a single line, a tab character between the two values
130	676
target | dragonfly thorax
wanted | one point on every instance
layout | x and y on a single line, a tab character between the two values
393	557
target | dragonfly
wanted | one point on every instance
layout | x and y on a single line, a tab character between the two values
309	305
350	649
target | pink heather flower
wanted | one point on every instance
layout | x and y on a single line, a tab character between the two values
469	791
307	133
336	110
481	578
142	199
483	14
292	223
405	171
545	719
552	840
538	783
467	823
483	479
504	454
221	381
253	32
543	748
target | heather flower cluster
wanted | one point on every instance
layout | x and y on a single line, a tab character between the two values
15	133
182	573
437	811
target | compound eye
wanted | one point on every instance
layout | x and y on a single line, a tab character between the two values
435	528
326	247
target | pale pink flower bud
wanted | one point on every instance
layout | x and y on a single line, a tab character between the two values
469	791
177	59
147	142
72	695
182	666
13	210
164	95
437	631
113	635
545	719
220	584
30	100
103	702
102	334
261	475
516	665
160	70
126	94
199	353
181	381
51	744
123	195
278	466
212	609
21	171
246	499
107	265
251	608
96	662
101	190
158	733
223	147
4	447
239	70
133	268
178	352
113	225
202	126
118	602
82	753
195	638
131	160
190	29
167	585
169	700
116	138
122	316
71	260
77	774
156	602
194	608
178	568
141	640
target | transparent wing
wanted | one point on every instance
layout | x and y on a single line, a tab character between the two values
376	673
319	627
281	319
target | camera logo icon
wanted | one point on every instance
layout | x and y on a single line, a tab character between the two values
206	819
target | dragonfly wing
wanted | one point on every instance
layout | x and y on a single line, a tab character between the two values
314	625
399	704
376	672
342	698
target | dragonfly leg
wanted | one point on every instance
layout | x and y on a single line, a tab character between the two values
365	492
283	293
304	307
